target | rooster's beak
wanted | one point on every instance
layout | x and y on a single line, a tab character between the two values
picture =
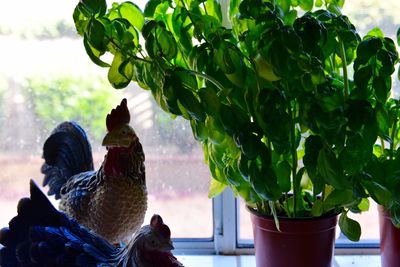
113	140
168	246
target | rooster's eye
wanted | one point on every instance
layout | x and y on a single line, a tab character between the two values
124	132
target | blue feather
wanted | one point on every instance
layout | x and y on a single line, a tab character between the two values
69	235
7	257
73	246
66	152
95	253
85	260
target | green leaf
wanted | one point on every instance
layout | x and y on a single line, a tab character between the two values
335	9
228	58
398	36
297	182
191	104
364	204
150	7
331	170
188	80
378	192
349	227
228	119
132	13
317	209
115	77
283	170
95	6
216	188
265	191
376	32
306	5
362	77
95	34
357	151
387	61
249	144
216	132
93	53
395	216
126	69
165	45
233	175
338	198
243	166
318	3
233	7
200	132
368	49
382	117
213	8
382	88
81	18
148	28
210	101
264	182
284	5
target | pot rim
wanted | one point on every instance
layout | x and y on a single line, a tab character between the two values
301	219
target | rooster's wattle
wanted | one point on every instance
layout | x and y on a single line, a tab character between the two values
111	201
41	236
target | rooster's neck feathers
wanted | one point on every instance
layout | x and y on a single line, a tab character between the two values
122	162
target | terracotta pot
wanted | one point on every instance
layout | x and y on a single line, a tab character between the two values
300	243
390	240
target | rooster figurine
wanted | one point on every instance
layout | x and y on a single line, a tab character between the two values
41	236
111	201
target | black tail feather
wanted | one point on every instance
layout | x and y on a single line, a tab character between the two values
36	210
41	236
66	152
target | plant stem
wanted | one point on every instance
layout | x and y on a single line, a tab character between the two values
205	9
394	130
207	77
111	40
382	145
294	156
344	65
190	17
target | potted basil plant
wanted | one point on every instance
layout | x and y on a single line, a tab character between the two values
271	99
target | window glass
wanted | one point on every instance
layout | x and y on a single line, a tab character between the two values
46	78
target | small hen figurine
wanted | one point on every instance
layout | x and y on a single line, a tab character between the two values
111	201
41	236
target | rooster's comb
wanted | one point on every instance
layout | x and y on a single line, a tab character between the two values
118	115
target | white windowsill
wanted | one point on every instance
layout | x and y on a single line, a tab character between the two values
249	261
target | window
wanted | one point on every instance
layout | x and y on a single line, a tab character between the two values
46	77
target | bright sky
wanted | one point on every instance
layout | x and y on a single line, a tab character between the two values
23	14
24	57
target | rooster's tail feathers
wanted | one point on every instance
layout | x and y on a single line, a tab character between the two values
36	210
66	152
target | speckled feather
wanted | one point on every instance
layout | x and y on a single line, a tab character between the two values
115	208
